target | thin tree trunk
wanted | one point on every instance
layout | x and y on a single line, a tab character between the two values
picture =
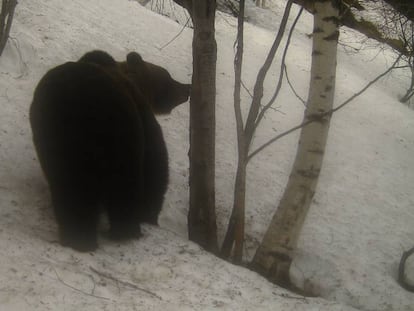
258	87
235	230
274	256
261	3
202	226
410	91
6	19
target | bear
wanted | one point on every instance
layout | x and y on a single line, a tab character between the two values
100	146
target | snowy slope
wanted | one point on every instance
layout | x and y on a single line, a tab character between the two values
361	220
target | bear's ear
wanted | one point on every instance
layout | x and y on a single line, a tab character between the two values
134	61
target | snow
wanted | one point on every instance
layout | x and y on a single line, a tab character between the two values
360	222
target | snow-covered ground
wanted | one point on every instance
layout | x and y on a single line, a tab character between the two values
360	222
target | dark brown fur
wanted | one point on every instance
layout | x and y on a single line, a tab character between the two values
99	143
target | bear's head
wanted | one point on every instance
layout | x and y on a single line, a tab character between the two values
162	92
156	83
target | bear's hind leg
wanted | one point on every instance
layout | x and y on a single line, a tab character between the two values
122	204
152	208
77	217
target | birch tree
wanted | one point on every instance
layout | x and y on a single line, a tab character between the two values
274	256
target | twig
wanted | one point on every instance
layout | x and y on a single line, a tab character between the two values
303	124
292	88
77	289
223	16
246	89
131	285
282	66
368	85
176	36
401	271
323	114
292	297
276	109
251	125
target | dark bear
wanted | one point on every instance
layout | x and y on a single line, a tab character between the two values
100	145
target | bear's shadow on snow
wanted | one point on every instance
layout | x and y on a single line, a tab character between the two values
100	145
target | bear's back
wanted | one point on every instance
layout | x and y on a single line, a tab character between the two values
85	120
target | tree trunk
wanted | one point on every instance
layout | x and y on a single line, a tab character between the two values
261	3
202	226
235	229
6	19
410	91
274	256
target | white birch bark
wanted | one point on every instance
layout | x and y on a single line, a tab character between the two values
274	256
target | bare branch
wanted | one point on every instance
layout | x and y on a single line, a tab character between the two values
238	62
77	289
176	36
130	285
292	88
303	124
246	89
282	71
393	66
258	88
324	114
